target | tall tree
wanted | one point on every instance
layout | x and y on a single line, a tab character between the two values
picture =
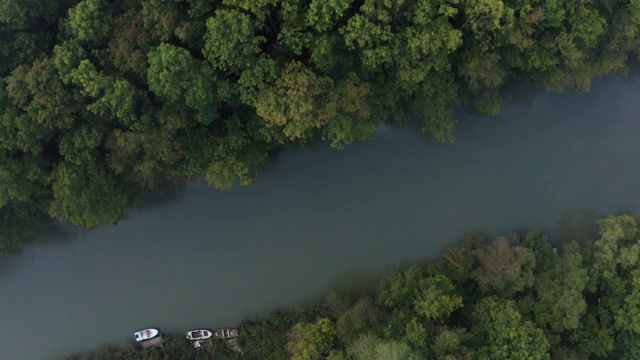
504	268
88	195
369	347
503	334
311	341
560	303
617	248
90	21
627	321
177	76
231	41
400	290
438	300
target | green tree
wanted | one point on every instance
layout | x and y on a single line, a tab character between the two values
353	119
617	248
20	132
438	300
27	14
147	156
503	334
400	290
130	43
114	98
23	180
260	8
88	195
299	102
238	153
449	344
406	47
39	92
231	41
458	261
362	318
538	242
311	341
175	75
15	224
560	303
369	347
627	321
416	334
163	19
27	29
90	21
324	15
504	268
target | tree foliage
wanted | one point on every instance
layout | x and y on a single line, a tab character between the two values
311	341
504	268
505	335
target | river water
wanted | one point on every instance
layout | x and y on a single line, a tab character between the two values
318	218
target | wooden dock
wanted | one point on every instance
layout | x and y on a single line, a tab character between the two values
156	341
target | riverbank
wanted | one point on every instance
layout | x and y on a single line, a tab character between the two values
173	346
512	297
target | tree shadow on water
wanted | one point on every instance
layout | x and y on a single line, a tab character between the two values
163	195
7	263
578	225
357	280
521	91
48	230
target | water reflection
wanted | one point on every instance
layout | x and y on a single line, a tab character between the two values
580	226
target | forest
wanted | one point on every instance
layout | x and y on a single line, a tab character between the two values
101	101
515	297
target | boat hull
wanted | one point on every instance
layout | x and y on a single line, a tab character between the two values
226	333
146	334
198	335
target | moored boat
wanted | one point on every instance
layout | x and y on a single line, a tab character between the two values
225	333
146	334
198	334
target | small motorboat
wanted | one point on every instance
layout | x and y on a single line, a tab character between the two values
225	333
146	334
198	334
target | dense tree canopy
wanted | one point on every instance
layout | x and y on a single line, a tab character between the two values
101	99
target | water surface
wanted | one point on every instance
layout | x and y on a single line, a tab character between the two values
319	217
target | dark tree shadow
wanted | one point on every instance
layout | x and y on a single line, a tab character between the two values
632	71
7	262
358	280
578	225
520	91
164	194
48	230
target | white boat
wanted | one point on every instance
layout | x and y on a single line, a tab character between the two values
146	334
198	334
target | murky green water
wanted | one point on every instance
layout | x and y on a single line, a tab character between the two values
320	217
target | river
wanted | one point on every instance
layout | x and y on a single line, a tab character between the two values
318	218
